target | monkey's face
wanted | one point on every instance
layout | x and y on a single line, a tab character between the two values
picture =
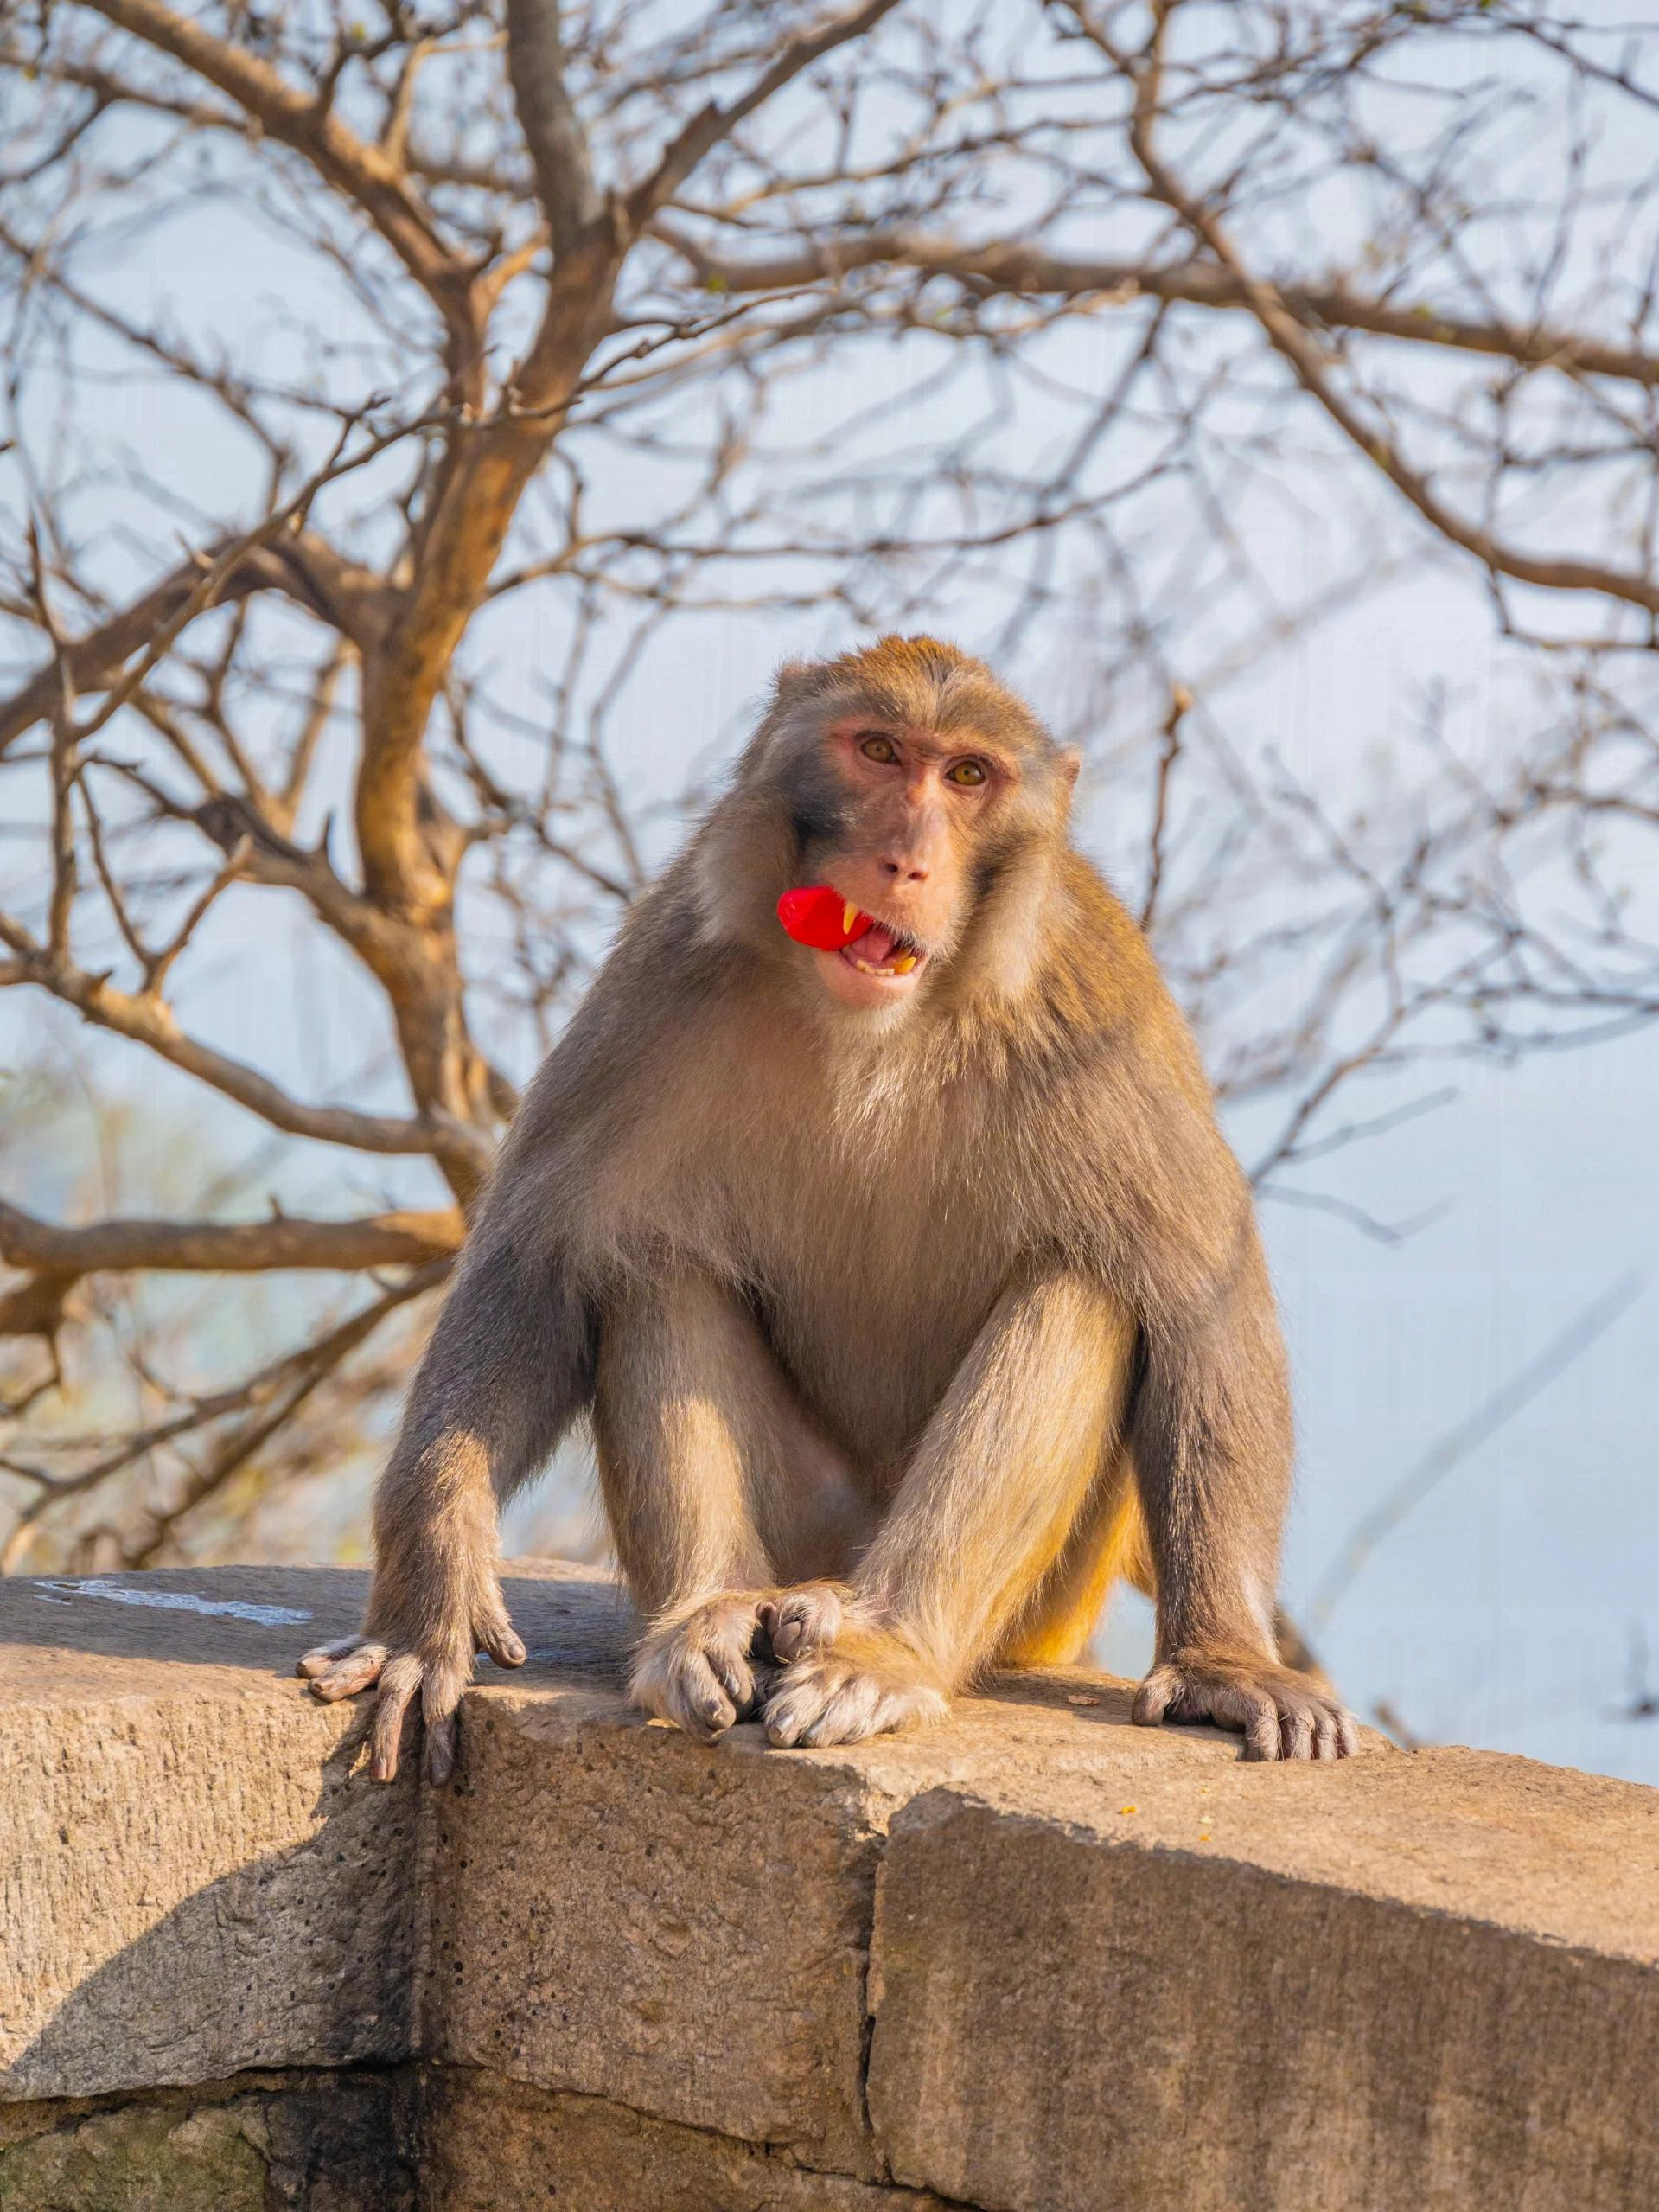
911	808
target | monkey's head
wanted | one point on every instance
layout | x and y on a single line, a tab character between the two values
912	782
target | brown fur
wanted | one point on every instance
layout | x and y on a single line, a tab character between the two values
956	1301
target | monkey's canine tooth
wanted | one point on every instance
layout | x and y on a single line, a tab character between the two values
849	915
904	967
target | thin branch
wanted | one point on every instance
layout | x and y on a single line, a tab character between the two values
150	1021
713	123
1013	265
1286	334
364	173
1169	753
300	564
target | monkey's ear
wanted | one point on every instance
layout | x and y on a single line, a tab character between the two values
1069	761
792	682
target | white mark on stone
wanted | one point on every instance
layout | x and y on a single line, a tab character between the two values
234	1608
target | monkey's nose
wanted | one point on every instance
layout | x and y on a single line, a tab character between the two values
904	871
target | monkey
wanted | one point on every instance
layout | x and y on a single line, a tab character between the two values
910	1290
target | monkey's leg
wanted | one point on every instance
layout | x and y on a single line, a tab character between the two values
509	1366
1110	1543
715	1483
992	1495
1107	1543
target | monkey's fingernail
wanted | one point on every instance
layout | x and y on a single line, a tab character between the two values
850	915
904	967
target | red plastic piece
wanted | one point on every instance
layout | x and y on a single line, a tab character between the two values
817	916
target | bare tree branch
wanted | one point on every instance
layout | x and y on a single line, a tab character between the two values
228	1248
151	1022
558	148
301	565
315	129
713	123
1020	267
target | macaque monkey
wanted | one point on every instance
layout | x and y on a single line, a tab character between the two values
910	1288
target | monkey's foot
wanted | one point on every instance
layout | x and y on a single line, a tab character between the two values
715	1665
869	1684
440	1673
1280	1714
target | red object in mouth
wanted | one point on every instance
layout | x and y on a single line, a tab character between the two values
820	916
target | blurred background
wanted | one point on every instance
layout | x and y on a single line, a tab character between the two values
426	427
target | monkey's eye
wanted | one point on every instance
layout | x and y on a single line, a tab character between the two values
874	746
965	771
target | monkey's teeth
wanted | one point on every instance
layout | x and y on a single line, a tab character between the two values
893	968
849	915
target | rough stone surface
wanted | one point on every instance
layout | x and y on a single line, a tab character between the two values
192	1879
287	2144
621	1913
495	2142
1035	1960
1232	1999
684	1928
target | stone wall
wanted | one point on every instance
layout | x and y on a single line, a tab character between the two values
1035	1960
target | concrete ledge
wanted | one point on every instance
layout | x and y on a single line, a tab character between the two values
1234	2034
306	2141
1036	1960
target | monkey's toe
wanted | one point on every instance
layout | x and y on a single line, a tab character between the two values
1282	1716
312	1664
348	1668
830	1701
504	1646
799	1622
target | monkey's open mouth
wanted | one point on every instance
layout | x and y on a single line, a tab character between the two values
883	950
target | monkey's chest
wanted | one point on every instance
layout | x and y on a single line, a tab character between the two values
873	1287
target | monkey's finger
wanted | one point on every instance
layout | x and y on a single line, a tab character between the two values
399	1683
712	1712
732	1671
504	1646
1154	1697
1327	1738
801	1623
359	1670
440	1695
1347	1735
438	1752
318	1661
1260	1723
1296	1733
695	1699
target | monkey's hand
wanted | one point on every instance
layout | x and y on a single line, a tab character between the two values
870	1681
706	1666
435	1658
1280	1714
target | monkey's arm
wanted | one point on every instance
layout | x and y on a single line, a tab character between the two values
509	1366
1212	1447
1030	1421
